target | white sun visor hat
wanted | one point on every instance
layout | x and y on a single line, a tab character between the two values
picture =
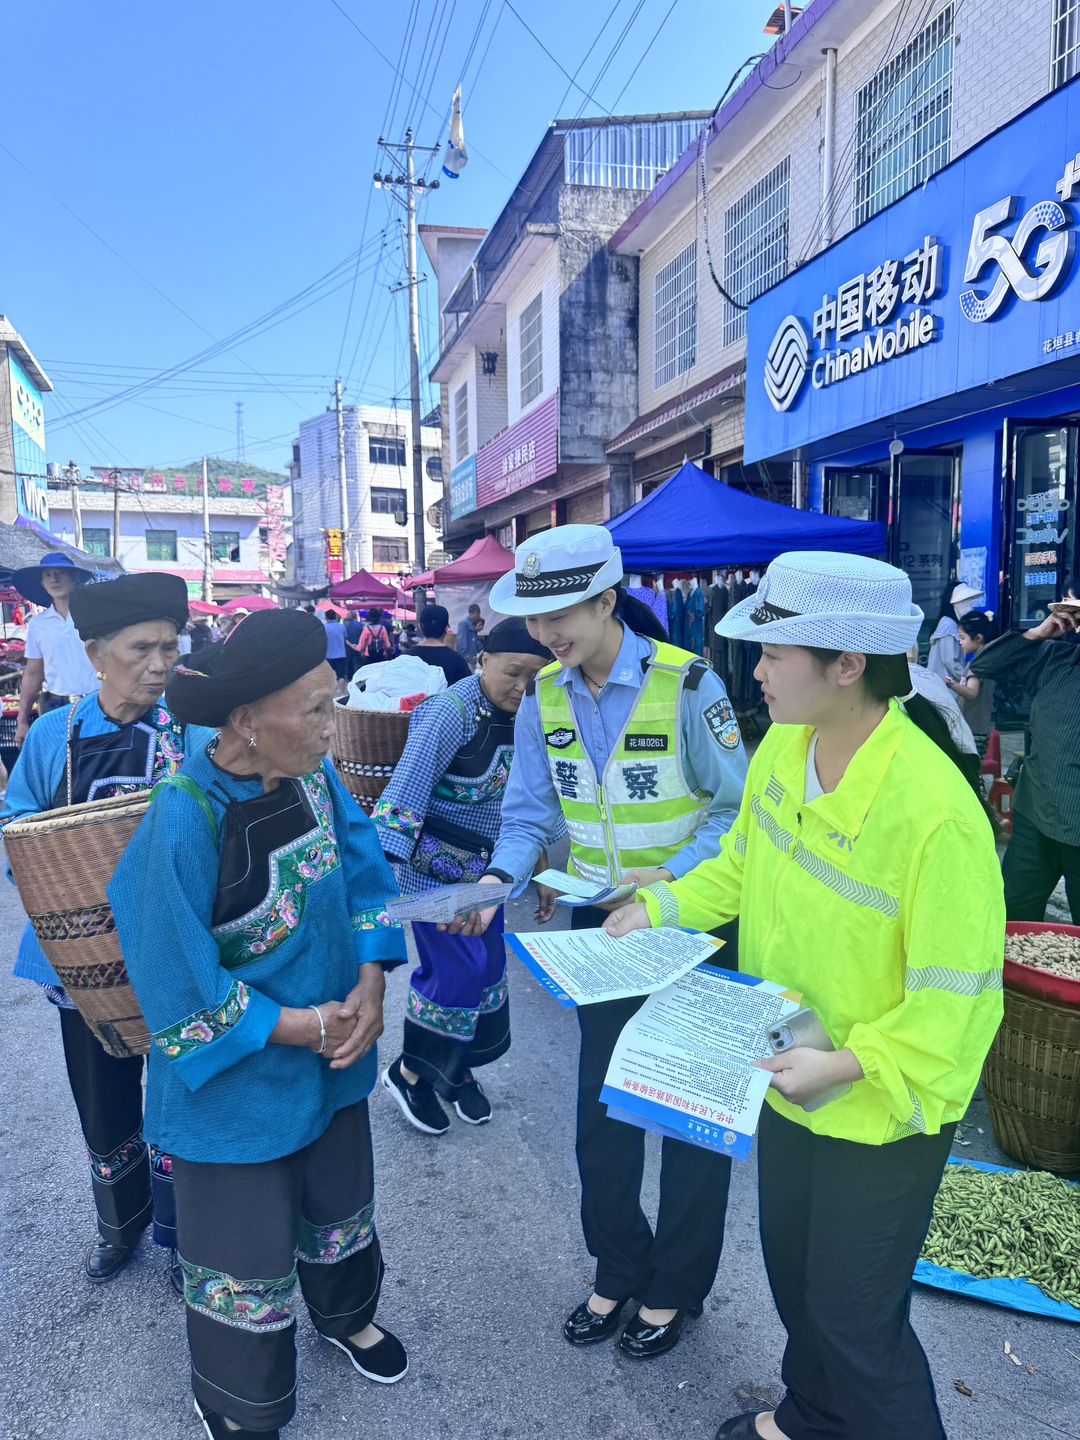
556	569
965	594
830	602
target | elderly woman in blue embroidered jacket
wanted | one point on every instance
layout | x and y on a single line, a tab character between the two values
438	821
250	909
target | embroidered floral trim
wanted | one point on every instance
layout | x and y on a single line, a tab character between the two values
204	1026
444	1020
494	997
292	869
327	1244
476	789
372	919
259	1305
448	862
397	817
109	1168
167	749
160	1163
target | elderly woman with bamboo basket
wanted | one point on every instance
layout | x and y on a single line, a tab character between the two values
110	745
250	906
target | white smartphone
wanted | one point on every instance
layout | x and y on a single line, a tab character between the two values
804	1028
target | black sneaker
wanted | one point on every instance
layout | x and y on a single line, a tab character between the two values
471	1103
419	1103
385	1362
215	1428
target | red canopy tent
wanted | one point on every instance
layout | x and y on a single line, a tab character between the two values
485	559
204	607
361	586
250	602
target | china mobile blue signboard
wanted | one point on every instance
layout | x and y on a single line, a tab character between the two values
463	488
969	281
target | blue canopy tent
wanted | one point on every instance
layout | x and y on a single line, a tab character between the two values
696	522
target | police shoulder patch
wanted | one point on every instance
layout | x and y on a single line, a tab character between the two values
723	726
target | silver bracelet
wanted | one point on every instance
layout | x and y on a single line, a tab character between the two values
322	1028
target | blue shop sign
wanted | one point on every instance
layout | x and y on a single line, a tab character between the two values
970	280
463	487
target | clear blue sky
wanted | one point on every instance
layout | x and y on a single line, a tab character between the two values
225	151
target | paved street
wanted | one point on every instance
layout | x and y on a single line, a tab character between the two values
485	1257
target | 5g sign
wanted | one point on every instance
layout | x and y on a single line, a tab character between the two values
1051	261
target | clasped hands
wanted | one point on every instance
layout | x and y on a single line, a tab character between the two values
352	1025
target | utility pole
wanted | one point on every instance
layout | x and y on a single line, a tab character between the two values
343	481
115	512
208	558
74	480
410	185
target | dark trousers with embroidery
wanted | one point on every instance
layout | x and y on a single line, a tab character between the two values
131	1181
676	1266
247	1234
842	1225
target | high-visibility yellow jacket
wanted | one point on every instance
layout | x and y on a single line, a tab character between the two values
882	902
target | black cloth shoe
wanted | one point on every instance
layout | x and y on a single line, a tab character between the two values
176	1273
740	1427
471	1103
104	1260
642	1340
385	1362
585	1327
215	1428
419	1103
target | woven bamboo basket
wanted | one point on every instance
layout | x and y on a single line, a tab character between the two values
367	746
62	860
1032	1073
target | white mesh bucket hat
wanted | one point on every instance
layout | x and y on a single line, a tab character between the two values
556	569
830	602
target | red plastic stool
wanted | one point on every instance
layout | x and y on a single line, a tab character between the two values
991	764
1001	797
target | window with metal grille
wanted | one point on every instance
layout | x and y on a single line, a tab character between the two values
1065	41
433	466
755	244
628	156
225	544
388	502
461	423
96	542
532	350
389	552
161	545
903	120
386	449
675	317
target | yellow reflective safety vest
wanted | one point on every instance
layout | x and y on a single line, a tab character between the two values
882	903
641	811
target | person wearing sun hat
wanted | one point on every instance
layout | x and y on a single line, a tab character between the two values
56	669
250	904
863	870
116	741
633	743
946	655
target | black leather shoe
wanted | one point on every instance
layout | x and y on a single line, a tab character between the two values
740	1427
176	1273
642	1340
215	1428
104	1260
585	1327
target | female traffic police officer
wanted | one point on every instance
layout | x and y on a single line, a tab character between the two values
863	869
635	744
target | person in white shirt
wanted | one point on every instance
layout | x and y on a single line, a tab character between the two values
56	668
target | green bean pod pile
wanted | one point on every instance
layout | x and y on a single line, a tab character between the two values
1022	1224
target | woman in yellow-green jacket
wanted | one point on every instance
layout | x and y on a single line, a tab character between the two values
863	870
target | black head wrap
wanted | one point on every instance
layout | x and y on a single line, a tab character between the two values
111	605
264	653
512	635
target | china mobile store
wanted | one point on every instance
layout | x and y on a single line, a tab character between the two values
927	369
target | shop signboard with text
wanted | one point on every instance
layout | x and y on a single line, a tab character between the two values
524	453
334	555
969	280
463	488
28	445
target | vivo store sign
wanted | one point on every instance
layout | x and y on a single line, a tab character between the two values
951	288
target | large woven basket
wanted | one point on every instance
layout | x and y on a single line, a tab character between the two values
367	746
62	860
1032	1073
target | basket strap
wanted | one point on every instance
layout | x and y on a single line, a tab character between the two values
196	792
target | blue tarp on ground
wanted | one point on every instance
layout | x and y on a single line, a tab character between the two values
695	522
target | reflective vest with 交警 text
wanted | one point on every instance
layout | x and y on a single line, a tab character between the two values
641	811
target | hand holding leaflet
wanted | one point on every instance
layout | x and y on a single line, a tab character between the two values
442	905
574	891
583	967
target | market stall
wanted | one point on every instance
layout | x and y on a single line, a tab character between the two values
468	579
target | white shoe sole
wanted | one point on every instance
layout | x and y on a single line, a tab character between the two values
468	1118
368	1375
403	1106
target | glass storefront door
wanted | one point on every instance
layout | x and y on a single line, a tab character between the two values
926	526
1040	461
858	494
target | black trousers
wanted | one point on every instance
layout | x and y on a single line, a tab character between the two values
131	1181
1031	869
675	1267
842	1225
247	1234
